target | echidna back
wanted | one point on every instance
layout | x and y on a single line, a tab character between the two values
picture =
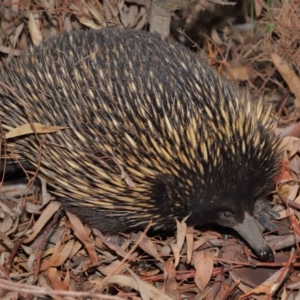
151	132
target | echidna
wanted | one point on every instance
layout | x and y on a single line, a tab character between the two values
152	132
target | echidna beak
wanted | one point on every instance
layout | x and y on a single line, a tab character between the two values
249	230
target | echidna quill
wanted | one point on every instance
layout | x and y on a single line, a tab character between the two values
186	140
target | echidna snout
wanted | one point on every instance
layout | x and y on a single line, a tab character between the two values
249	230
151	133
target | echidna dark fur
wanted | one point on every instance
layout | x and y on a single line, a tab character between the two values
186	140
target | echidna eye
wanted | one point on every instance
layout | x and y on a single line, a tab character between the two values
226	218
226	214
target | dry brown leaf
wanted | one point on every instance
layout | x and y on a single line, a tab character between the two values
6	240
96	13
240	73
31	263
16	37
284	214
34	29
112	246
293	192
56	279
216	37
145	294
111	8
203	239
43	283
47	213
289	76
6	223
11	295
77	246
204	265
171	285
115	267
291	144
189	237
292	130
176	253
59	255
8	50
27	129
297	200
270	286
148	246
123	280
259	5
181	232
81	234
89	23
44	197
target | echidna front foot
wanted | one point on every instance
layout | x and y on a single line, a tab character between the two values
264	214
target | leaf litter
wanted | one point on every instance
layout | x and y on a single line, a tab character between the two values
47	252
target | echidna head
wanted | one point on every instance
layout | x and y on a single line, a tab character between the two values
228	201
237	164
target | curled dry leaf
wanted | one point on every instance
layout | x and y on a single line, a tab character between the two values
59	256
81	234
47	213
89	23
57	282
148	246
112	246
203	239
46	197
